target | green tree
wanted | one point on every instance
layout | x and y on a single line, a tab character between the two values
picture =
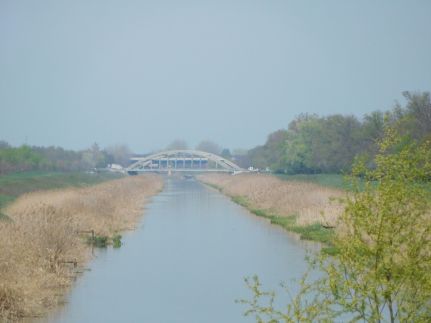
414	119
19	159
302	133
382	268
94	157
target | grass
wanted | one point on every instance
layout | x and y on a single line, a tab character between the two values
116	241
307	209
16	184
330	180
98	241
102	241
48	231
214	186
313	232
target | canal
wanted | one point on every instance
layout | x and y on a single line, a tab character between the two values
186	262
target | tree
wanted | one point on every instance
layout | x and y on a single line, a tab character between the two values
119	154
177	144
94	157
415	119
19	159
4	144
209	146
272	153
382	268
371	132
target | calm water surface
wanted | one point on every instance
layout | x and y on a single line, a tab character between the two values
185	263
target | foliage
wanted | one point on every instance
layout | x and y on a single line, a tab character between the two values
98	241
26	158
19	159
116	241
382	268
415	119
313	144
304	307
330	180
118	154
272	153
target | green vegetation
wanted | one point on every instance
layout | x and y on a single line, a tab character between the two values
214	186
381	271
15	184
98	241
312	144
26	158
116	241
241	200
314	232
102	241
331	180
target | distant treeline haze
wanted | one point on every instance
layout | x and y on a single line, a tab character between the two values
26	158
311	144
314	144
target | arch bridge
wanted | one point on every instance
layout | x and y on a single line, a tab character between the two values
182	161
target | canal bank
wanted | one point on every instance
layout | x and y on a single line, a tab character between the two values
186	262
305	208
47	236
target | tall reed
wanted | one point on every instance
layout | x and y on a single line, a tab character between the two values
44	238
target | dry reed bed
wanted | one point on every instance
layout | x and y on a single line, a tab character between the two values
44	235
311	203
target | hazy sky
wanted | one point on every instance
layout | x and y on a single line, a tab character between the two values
147	72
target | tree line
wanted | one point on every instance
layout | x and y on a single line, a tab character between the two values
28	158
316	144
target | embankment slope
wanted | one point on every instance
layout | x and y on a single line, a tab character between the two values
44	236
294	205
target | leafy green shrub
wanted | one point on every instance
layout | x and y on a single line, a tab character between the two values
98	241
116	241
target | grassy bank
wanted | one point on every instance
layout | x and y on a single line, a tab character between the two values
295	206
336	181
16	184
50	234
314	232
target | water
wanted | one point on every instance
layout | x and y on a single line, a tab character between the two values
185	263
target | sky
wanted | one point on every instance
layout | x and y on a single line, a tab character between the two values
144	73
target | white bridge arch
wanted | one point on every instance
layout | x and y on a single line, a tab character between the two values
182	161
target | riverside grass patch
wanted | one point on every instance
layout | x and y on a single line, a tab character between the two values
314	232
311	203
103	241
15	184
